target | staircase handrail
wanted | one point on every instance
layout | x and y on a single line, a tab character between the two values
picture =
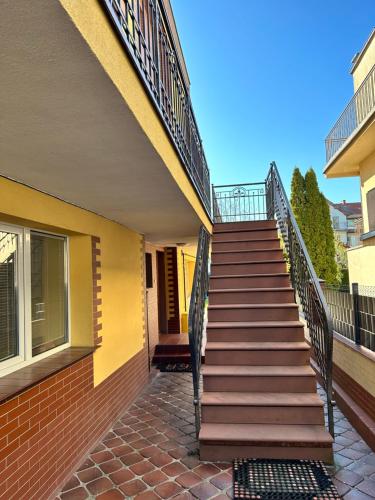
305	283
197	307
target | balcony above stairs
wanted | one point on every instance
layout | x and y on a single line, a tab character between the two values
259	392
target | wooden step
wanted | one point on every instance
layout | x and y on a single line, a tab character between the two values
255	224
248	267
244	234
253	312
258	378
228	256
257	353
275	295
262	407
176	357
250	244
224	442
255	331
260	280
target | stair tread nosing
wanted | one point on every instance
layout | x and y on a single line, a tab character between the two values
261	399
251	275
238	262
254	324
282	305
250	250
257	346
260	290
266	434
258	371
244	230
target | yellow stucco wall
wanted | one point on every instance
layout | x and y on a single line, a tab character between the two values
90	20
185	272
358	367
367	175
365	64
121	269
361	264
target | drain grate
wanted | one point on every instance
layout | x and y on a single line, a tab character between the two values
269	479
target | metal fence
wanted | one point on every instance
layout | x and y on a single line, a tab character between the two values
356	112
353	314
239	202
143	27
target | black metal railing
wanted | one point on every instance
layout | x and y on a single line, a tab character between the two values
305	282
198	303
239	202
353	312
360	107
144	29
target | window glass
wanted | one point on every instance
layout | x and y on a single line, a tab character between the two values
48	292
8	295
371	209
149	279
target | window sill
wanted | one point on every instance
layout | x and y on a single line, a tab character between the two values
24	378
367	236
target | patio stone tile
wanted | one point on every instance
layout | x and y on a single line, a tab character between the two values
86	464
154	478
352	454
147	495
122	450
147	432
90	474
174	469
76	494
206	470
191	461
140	443
149	451
363	469
342	488
99	485
158	438
183	496
111	466
132	458
356	495
204	491
178	452
72	483
161	459
142	468
222	481
349	477
102	456
110	495
168	489
100	447
113	442
132	488
342	461
121	476
188	479
368	487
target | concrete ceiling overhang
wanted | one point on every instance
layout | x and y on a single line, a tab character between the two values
346	162
66	130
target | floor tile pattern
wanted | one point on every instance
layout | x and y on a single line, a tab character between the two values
150	454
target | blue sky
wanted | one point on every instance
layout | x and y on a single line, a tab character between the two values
268	80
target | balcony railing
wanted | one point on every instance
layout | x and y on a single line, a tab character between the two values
143	28
355	114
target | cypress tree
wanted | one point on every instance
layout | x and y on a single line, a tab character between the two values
313	231
297	198
329	269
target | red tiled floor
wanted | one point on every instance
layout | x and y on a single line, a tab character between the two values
149	454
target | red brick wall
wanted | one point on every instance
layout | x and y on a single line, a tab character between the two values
46	431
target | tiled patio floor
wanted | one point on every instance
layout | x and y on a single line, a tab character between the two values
146	454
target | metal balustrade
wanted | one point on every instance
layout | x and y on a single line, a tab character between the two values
360	107
144	29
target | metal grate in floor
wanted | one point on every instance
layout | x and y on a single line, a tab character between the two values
268	479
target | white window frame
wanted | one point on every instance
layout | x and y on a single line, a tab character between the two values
23	286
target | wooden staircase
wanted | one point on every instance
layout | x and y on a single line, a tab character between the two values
259	392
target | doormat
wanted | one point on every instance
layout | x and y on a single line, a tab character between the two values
175	367
270	479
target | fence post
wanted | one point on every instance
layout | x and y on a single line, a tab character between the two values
357	316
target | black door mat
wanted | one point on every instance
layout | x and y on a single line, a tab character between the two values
174	367
269	479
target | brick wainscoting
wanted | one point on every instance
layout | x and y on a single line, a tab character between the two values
46	431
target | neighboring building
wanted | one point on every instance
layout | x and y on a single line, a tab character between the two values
103	189
350	148
345	219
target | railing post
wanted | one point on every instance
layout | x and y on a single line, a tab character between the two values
357	315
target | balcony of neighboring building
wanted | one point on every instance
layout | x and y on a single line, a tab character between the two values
96	111
352	138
